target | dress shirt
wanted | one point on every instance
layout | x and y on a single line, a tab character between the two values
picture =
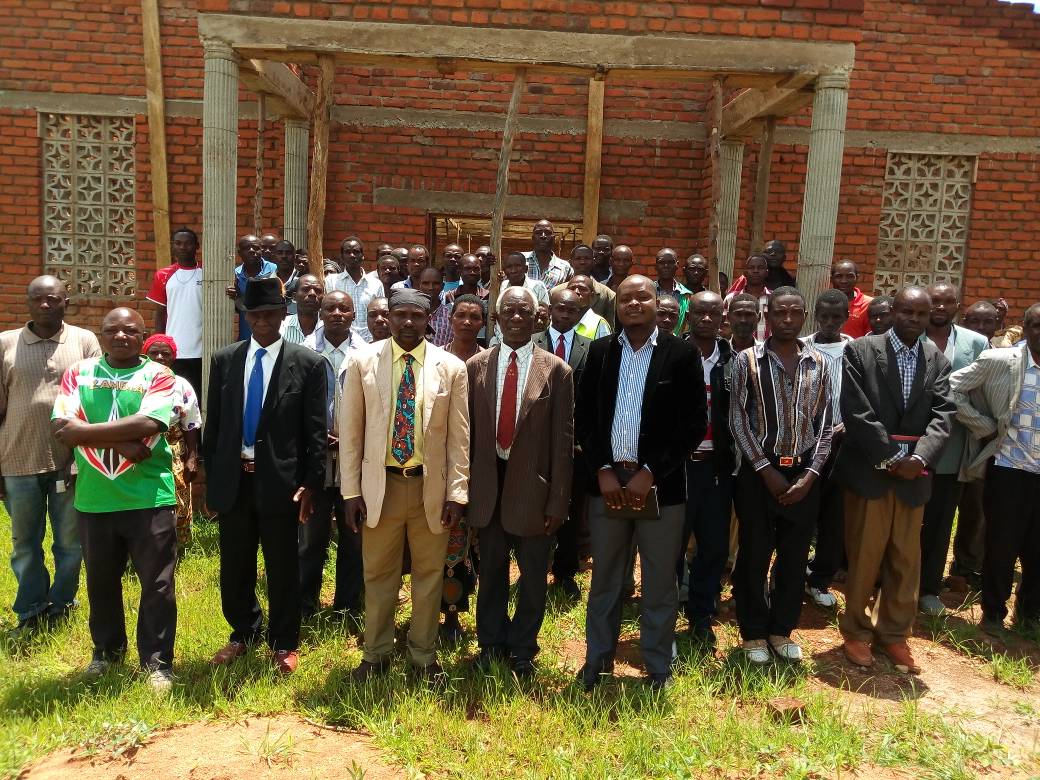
396	373
557	272
523	366
336	357
628	408
267	364
774	415
906	359
833	352
708	364
1020	448
568	342
291	331
361	292
440	324
951	344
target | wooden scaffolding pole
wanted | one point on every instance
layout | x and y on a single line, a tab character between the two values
320	164
502	185
714	151
761	207
593	159
156	131
258	187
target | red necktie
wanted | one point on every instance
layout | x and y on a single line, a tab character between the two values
507	412
561	349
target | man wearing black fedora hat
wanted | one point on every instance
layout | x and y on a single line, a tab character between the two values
265	445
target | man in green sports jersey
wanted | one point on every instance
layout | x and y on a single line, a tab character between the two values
113	411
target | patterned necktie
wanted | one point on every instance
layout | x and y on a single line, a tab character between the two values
254	400
403	446
507	412
561	348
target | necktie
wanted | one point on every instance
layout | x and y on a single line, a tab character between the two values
507	412
254	399
561	348
403	445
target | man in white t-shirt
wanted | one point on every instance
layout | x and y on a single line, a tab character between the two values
177	293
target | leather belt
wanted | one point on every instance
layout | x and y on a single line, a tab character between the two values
249	466
627	464
701	455
410	471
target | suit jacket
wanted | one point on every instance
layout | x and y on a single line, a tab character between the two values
291	440
538	473
603	300
364	426
579	351
872	408
986	393
673	415
968	345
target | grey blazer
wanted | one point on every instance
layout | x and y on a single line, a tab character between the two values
985	393
968	345
579	351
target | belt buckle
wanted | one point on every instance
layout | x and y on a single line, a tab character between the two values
786	461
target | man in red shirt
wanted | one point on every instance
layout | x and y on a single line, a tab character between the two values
177	293
844	276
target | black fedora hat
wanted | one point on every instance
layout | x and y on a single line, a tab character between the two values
263	293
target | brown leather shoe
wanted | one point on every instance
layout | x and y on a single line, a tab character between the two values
902	659
228	653
858	652
286	661
367	670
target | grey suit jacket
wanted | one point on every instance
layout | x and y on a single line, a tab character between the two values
985	393
968	345
579	351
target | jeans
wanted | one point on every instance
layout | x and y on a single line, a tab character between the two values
29	500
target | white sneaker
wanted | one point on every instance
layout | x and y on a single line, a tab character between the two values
785	648
160	680
97	667
931	605
821	598
756	651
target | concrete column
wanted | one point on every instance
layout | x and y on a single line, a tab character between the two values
731	159
219	191
297	146
822	187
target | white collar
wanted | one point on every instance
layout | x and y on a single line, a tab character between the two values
554	336
273	349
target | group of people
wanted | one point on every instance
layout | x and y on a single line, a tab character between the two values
585	412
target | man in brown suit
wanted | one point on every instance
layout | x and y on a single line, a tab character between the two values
521	408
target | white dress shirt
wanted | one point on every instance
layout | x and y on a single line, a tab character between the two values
523	364
568	341
708	364
267	364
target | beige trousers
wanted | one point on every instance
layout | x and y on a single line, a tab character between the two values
382	549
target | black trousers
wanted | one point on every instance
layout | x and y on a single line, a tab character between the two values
1012	501
315	536
244	530
148	537
709	499
936	528
496	631
765	527
190	369
565	562
969	543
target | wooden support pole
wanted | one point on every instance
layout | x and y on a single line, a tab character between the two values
156	131
258	187
502	184
714	150
593	159
320	164
761	206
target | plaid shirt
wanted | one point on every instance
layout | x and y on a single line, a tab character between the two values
440	324
558	272
906	357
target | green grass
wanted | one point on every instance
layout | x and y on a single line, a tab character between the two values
715	721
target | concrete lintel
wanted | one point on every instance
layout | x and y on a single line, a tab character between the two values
277	78
487	47
517	206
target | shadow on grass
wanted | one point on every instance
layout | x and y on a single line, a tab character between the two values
882	681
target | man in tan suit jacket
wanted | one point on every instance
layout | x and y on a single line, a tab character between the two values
404	471
522	411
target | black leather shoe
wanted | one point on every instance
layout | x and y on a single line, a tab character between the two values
659	682
367	670
524	668
702	638
486	658
569	588
591	676
431	674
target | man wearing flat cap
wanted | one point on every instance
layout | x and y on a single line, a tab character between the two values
404	473
264	443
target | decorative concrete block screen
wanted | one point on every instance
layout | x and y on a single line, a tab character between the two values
924	220
88	203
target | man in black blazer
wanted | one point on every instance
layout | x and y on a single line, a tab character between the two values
640	410
265	445
898	412
562	340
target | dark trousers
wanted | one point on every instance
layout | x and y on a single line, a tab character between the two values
148	538
829	554
244	529
566	562
969	543
190	369
708	502
496	631
766	527
936	527
1012	500
315	536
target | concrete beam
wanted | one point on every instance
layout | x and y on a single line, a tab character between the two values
450	47
517	206
278	79
739	113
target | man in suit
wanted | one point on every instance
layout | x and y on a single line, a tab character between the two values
960	346
893	385
640	410
521	409
404	472
562	340
998	399
264	444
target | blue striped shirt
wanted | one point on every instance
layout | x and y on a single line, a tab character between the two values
628	409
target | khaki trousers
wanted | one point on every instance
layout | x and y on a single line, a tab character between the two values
882	537
382	549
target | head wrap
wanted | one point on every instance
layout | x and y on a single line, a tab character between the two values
160	338
407	297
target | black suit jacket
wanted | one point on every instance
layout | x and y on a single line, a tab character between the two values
673	412
579	351
291	440
872	409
